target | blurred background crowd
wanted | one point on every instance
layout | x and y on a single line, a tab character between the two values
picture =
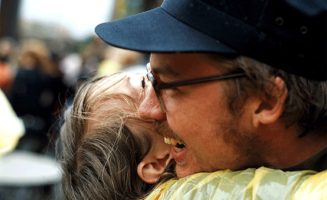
41	64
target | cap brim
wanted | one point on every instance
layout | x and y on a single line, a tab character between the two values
157	31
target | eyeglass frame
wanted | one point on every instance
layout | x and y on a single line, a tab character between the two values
158	86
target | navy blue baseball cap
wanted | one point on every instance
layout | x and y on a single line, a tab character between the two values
274	32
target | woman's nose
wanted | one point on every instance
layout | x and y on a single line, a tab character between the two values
150	107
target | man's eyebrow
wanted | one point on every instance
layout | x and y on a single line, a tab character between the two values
164	70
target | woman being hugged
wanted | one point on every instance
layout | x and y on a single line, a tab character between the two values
106	151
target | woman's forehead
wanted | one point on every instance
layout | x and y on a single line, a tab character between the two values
129	84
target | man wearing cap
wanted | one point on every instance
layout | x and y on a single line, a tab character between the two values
239	83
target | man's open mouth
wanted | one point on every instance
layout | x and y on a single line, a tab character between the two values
174	142
179	153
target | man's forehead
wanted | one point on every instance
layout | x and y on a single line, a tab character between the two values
178	64
161	64
165	69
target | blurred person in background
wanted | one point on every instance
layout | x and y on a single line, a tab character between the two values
99	59
116	60
36	93
92	54
70	65
7	48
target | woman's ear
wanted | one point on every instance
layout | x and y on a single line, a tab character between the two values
270	110
151	168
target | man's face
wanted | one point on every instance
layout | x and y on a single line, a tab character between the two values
197	115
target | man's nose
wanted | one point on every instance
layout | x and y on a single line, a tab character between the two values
150	106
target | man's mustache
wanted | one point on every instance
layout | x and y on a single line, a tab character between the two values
163	128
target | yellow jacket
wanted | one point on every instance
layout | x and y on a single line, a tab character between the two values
258	184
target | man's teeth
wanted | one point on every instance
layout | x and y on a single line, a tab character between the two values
174	142
170	141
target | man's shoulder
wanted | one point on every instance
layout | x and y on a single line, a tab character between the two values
261	183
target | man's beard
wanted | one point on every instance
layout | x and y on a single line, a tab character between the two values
246	144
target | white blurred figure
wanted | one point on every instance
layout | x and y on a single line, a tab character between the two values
11	127
71	68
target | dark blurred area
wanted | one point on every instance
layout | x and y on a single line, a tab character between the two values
39	72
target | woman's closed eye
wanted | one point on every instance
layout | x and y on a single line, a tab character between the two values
143	84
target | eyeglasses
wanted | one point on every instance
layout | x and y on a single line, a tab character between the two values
159	85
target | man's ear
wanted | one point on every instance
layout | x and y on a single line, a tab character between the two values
151	168
269	110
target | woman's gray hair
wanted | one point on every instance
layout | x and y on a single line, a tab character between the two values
99	154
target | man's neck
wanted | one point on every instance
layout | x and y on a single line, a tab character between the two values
290	152
318	162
